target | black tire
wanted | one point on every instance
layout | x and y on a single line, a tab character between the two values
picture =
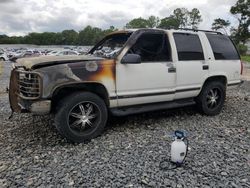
2	59
211	105
73	125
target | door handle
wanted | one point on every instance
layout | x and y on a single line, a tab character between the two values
171	69
205	67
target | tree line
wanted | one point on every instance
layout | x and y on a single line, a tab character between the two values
180	18
88	36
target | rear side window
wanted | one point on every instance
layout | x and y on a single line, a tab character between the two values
223	47
188	47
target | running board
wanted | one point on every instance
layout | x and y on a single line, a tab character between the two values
136	109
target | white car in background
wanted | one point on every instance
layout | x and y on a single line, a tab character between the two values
3	56
64	52
54	52
67	52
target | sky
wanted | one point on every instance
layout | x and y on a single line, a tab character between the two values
20	17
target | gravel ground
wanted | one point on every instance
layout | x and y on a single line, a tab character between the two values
129	152
246	71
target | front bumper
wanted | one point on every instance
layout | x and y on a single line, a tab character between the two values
22	101
36	107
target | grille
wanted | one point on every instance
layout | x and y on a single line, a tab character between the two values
29	84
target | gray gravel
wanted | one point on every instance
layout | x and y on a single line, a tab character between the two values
4	76
129	152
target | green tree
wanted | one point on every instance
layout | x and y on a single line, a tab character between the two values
137	23
4	39
69	37
182	18
220	24
169	23
90	35
33	38
241	11
47	38
110	30
194	18
181	15
153	22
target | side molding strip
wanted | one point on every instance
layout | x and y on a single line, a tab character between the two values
153	94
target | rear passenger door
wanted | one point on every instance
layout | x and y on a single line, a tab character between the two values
226	60
191	67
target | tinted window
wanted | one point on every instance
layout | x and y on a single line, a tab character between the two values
222	47
152	47
188	46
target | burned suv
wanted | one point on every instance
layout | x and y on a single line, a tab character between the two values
130	71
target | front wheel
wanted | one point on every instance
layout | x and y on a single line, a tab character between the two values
212	97
81	116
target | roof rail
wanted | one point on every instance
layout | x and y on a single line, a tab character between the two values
196	30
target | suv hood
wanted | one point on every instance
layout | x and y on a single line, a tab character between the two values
43	61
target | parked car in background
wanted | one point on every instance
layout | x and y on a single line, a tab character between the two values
62	53
31	53
13	56
66	52
52	53
128	72
3	56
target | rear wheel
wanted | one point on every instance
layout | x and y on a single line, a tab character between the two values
81	116
212	97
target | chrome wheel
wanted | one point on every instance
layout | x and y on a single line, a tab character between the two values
84	117
213	98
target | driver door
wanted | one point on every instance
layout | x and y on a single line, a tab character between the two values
151	81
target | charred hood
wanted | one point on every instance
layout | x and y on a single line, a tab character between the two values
45	61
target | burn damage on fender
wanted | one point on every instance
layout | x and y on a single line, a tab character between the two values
59	75
94	70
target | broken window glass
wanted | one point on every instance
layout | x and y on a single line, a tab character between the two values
110	46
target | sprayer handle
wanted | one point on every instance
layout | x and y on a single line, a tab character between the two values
179	134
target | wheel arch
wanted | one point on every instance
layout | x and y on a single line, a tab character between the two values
65	90
220	78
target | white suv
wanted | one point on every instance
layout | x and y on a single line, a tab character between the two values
127	72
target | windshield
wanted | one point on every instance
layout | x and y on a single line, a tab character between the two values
110	46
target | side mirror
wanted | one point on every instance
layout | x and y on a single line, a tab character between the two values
131	59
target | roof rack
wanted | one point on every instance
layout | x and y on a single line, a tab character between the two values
196	30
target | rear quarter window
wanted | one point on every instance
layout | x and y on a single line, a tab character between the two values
222	46
188	47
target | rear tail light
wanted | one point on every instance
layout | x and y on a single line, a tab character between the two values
241	67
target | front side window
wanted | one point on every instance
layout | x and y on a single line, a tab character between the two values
110	46
222	47
188	47
152	47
